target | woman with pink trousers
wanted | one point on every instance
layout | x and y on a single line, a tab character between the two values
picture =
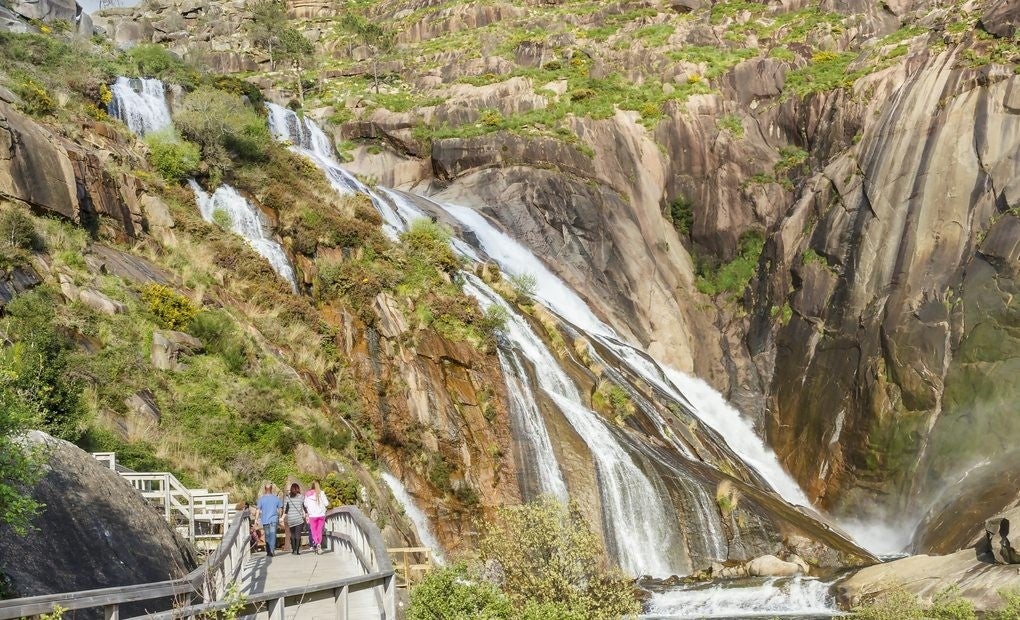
316	504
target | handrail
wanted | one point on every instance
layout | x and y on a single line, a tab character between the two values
337	589
224	566
115	596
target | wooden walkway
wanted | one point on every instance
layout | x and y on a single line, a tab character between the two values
286	571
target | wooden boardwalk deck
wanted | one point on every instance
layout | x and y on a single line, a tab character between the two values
285	570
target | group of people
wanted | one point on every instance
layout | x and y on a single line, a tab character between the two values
291	513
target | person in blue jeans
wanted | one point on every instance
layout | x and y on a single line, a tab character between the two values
270	510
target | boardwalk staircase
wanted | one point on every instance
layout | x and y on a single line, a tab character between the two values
198	515
355	579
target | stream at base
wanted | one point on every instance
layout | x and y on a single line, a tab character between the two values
797	597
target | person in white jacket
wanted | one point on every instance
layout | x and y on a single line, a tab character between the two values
316	504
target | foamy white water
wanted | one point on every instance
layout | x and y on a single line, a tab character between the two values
245	221
141	104
786	597
418	518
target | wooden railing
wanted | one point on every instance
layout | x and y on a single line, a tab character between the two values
196	513
408	567
209	582
346	527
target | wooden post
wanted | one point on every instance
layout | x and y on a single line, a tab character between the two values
390	598
111	612
341	597
277	607
407	573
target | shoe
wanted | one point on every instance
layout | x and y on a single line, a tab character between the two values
318	551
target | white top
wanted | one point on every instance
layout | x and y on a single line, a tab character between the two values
316	505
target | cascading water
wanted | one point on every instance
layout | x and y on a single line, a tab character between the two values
641	526
707	404
770	598
141	104
421	522
245	221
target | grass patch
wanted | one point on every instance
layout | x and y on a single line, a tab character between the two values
731	278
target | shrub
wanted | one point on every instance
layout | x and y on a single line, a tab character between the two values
175	159
454	593
549	556
341	489
491	118
427	241
37	366
214	118
524	285
732	277
17	230
221	337
733	124
899	604
612	400
151	60
173	310
35	99
681	213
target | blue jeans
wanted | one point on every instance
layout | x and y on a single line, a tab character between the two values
270	529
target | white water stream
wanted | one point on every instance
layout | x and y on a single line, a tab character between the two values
773	597
421	522
247	222
141	104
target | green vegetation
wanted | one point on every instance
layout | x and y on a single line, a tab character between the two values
790	159
731	278
170	308
681	214
733	124
224	126
612	400
826	71
454	592
550	556
899	604
719	60
552	564
17	237
269	30
175	159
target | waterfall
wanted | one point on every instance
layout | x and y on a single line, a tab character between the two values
640	526
641	523
141	104
286	124
421	522
246	221
772	597
523	403
704	402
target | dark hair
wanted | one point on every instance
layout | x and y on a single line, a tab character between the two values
295	490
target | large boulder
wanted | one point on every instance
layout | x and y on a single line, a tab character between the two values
170	347
771	566
50	175
46	10
1001	19
925	576
95	531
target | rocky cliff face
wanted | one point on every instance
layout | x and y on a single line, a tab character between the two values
875	149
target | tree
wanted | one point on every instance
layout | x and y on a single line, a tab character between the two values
269	31
19	465
266	17
380	40
550	557
298	50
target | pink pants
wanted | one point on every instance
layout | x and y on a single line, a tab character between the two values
315	525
